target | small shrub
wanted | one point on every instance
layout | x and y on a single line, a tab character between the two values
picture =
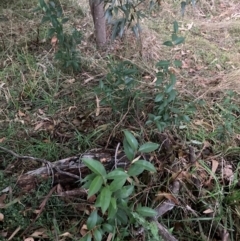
168	110
114	208
67	54
119	88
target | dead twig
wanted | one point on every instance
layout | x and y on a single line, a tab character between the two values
49	164
25	157
167	205
41	206
116	152
115	127
164	232
162	209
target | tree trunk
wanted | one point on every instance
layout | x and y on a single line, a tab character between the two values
97	11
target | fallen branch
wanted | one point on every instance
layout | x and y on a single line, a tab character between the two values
162	209
25	157
66	170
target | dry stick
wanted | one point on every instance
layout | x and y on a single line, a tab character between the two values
42	205
67	173
163	208
164	232
167	205
116	152
25	157
14	233
49	164
124	116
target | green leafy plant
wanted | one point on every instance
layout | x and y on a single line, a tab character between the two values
67	54
168	111
113	207
130	16
185	3
118	88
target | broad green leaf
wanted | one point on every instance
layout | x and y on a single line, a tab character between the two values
159	97
95	185
92	220
122	217
177	63
108	228
123	203
146	165
164	104
135	170
160	78
179	40
148	147
132	141
146	211
101	84
129	152
157	118
89	177
174	37
173	78
51	32
42	3
97	202
108	15
97	234
168	43
95	166
87	237
105	198
186	118
166	116
169	88
160	126
151	116
125	192
175	27
148	122
160	74
183	7
45	19
113	202
99	220
52	4
175	110
54	22
87	184
152	5
172	95
136	30
163	63
64	20
118	183
112	210
159	81
117	173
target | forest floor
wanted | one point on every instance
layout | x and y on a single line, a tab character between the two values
50	113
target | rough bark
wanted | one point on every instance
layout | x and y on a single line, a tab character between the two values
97	11
68	170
